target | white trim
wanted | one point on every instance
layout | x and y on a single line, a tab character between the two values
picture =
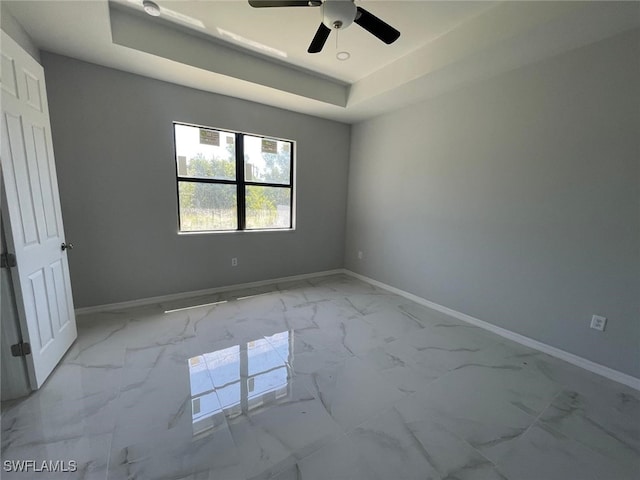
581	362
179	296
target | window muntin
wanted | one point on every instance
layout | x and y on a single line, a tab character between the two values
239	379
229	181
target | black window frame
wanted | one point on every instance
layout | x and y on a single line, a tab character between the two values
240	181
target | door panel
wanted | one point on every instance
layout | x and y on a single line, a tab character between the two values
19	177
59	294
9	83
34	231
34	100
43	317
48	202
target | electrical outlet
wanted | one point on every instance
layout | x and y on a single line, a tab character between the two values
598	322
360	255
234	262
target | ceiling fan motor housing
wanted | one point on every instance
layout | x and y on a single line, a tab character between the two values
338	14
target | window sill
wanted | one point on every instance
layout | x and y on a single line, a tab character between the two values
231	232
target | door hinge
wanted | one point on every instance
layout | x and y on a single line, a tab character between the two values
21	349
8	260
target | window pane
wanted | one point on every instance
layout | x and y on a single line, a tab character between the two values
262	357
280	342
207	206
205	153
268	207
267	160
267	382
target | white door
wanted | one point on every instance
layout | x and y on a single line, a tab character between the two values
32	206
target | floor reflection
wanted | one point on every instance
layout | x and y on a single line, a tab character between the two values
238	379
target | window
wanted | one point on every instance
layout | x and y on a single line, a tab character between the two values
232	181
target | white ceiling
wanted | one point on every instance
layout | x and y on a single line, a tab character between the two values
260	54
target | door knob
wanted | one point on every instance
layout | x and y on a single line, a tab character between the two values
64	246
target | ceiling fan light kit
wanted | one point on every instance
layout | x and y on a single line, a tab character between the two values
151	8
336	15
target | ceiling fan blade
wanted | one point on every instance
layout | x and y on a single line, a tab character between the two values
376	27
319	39
284	3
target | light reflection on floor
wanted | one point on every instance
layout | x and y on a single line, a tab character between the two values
234	380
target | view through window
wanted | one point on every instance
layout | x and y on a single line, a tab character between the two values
232	181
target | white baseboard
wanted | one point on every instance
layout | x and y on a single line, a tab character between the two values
607	372
581	362
179	296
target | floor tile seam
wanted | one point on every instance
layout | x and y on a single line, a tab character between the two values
414	438
270	472
494	463
301	382
285	360
579	442
411	368
118	406
108	466
539	416
378	413
322	443
154	438
161	346
577	438
465	442
455	369
421	447
116	389
51	440
53	437
351	306
172	340
123	328
473	449
203	347
202	318
8	405
318	445
534	422
152	433
139	368
122	371
401	336
227	425
440	377
456	436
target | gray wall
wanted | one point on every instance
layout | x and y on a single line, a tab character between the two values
113	141
515	200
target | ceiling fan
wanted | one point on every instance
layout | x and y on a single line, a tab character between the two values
336	15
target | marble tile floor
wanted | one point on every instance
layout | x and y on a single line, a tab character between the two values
329	379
